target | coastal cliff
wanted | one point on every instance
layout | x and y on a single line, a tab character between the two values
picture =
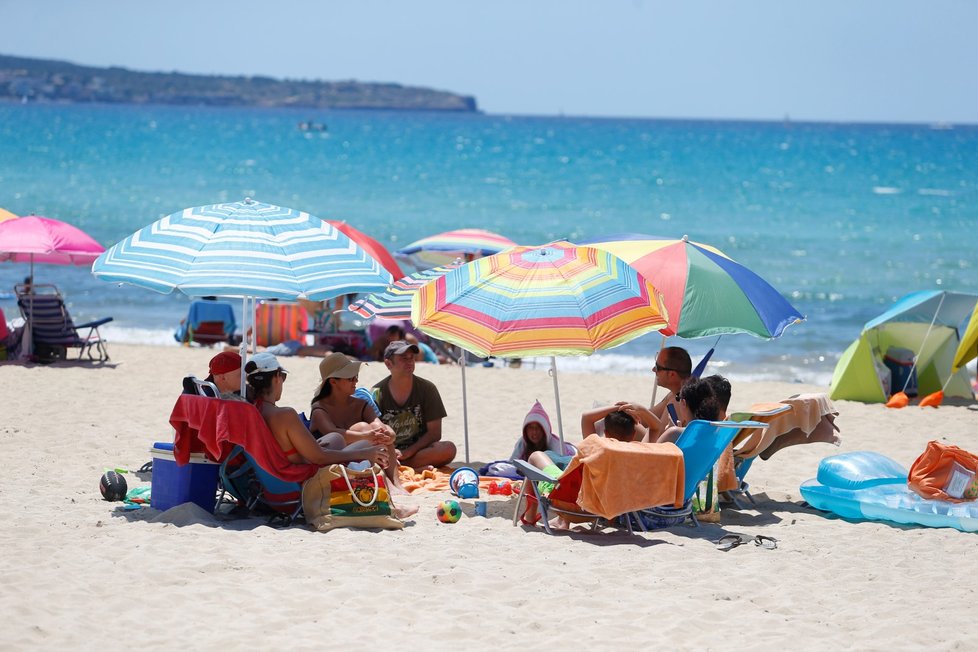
44	80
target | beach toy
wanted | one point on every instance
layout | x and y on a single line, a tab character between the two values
501	488
481	508
868	485
113	486
464	482
448	511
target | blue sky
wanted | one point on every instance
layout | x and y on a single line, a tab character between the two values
837	60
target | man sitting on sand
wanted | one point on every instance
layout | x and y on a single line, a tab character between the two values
412	407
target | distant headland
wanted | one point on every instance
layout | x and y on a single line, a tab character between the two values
28	80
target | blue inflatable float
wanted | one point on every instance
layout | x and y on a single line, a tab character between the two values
867	485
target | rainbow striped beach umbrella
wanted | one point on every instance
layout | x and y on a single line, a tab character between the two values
395	301
443	248
706	292
556	299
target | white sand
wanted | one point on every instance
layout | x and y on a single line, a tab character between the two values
79	573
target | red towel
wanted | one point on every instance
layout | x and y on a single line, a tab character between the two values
213	426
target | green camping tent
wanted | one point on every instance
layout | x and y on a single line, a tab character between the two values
860	372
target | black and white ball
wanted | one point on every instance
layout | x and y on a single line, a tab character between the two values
113	486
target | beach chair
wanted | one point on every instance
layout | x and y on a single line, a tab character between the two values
242	478
278	321
702	443
607	478
207	323
52	329
799	419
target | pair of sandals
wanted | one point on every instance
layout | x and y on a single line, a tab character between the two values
731	541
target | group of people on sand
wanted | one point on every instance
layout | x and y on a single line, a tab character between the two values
398	423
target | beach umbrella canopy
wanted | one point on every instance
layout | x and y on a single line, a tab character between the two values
376	250
395	301
556	299
443	248
706	292
243	249
6	215
34	239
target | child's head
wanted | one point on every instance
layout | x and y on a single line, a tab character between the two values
536	429
619	425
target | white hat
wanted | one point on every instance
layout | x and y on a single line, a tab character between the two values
263	363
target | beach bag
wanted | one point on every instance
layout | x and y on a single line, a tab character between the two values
945	472
338	496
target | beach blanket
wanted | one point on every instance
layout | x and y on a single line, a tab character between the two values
619	477
213	427
434	479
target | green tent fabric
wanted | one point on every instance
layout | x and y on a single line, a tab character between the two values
859	372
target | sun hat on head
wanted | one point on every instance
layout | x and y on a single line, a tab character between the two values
263	362
399	347
339	365
224	362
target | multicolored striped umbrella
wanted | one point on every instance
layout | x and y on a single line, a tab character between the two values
244	249
395	301
443	248
706	292
6	215
557	299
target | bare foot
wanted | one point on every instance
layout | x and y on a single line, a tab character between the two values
404	512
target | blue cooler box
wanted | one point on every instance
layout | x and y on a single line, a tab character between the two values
174	485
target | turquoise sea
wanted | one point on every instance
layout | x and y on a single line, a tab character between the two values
841	218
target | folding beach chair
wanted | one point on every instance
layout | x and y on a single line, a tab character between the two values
802	418
52	328
207	322
607	478
241	477
702	444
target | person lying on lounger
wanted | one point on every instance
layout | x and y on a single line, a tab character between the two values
335	410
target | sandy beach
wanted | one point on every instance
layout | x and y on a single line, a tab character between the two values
80	573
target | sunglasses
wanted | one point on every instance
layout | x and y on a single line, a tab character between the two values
658	368
283	373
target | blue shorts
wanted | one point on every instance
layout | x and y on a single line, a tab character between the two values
290	347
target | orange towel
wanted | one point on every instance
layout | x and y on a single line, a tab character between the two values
436	480
621	477
806	413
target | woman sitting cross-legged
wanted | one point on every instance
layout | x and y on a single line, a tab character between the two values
267	377
340	419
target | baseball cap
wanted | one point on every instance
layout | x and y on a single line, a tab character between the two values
224	362
263	362
399	347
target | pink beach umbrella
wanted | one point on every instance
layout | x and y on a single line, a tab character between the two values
35	239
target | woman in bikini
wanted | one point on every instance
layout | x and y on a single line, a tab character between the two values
267	377
340	419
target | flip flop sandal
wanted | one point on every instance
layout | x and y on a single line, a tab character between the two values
768	543
731	541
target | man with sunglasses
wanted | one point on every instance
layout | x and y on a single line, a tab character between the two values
672	367
413	408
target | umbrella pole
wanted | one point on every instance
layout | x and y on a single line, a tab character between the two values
244	343
560	421
465	410
655	376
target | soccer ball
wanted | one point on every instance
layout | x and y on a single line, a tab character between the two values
113	486
449	511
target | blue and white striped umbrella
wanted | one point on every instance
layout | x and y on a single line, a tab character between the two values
244	249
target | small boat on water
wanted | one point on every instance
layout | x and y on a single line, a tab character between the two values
309	125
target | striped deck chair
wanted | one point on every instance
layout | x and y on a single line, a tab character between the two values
277	321
52	327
